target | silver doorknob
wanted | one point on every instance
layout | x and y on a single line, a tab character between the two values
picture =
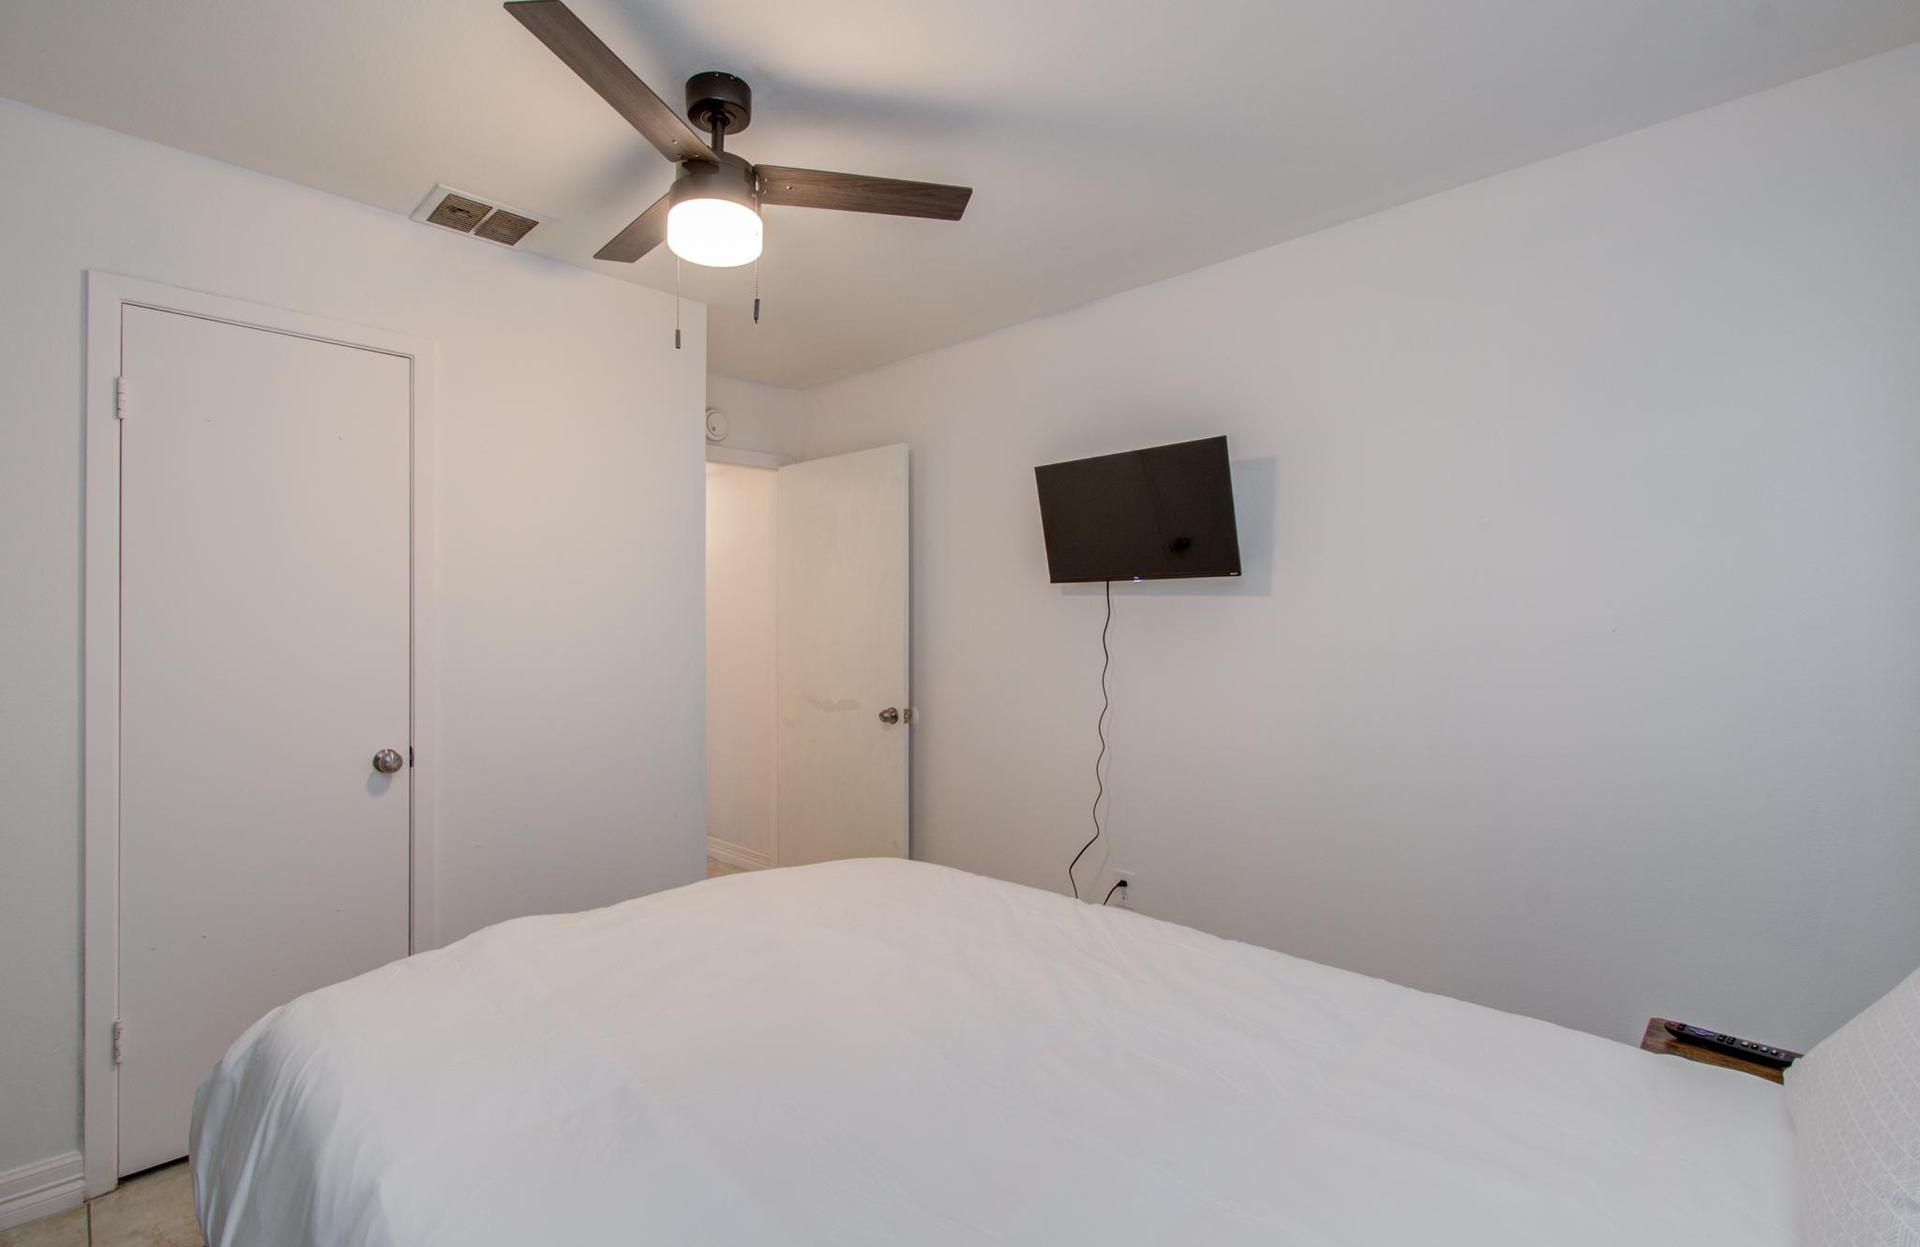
890	716
387	761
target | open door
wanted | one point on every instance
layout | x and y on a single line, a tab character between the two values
844	713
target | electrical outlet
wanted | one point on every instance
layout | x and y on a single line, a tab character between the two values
1127	897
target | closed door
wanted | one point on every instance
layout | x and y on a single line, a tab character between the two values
265	653
841	662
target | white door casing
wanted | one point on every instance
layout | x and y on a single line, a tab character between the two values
252	639
842	605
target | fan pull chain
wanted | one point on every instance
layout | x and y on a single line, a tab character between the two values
676	303
756	290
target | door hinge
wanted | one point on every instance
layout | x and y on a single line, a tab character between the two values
119	1041
119	398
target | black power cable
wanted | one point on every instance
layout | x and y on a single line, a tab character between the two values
1115	888
1100	726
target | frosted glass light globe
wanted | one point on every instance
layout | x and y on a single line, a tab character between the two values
718	233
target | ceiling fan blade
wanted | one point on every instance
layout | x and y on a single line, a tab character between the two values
647	231
851	192
555	25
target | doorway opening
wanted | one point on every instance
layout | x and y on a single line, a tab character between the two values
742	764
808	710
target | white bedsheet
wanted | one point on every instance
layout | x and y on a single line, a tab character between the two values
885	1052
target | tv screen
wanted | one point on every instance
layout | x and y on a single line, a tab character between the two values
1158	514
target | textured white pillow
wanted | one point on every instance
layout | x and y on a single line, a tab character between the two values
1855	1102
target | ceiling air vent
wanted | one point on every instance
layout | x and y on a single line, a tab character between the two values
506	228
469	214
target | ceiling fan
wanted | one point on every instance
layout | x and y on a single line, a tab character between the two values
711	214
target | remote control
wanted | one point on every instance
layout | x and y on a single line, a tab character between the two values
1745	1049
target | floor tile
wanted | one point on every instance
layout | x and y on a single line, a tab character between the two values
63	1229
152	1210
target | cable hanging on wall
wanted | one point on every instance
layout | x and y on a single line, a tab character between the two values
1100	727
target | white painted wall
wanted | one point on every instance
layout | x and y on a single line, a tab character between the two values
740	657
1576	669
568	771
765	418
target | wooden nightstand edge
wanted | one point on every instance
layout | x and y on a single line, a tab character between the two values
1656	1039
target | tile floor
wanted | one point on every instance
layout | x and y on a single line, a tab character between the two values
152	1210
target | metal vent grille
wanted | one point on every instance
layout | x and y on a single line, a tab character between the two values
459	212
475	217
506	228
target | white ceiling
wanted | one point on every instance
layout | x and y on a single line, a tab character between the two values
1110	142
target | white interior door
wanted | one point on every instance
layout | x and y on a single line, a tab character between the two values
265	653
841	550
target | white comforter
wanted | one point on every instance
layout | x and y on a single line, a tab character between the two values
885	1052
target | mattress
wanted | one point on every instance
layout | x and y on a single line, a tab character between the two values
889	1052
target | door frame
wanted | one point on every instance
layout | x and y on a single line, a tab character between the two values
107	295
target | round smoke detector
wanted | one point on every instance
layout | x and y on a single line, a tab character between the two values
716	425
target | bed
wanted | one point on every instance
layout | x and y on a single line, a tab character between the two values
890	1052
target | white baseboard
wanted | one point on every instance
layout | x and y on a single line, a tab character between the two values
737	855
41	1189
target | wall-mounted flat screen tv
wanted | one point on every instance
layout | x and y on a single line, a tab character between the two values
1163	513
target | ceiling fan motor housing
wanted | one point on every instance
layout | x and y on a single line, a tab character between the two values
732	178
713	94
